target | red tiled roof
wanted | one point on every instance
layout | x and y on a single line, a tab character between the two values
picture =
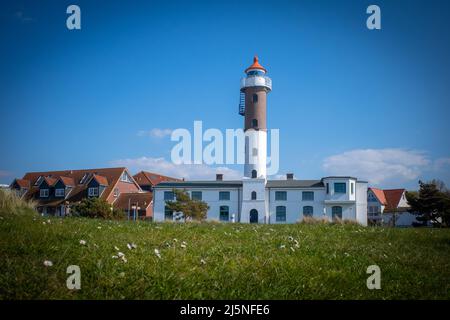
389	198
50	181
379	194
112	175
141	199
100	179
67	181
144	178
23	183
256	65
393	197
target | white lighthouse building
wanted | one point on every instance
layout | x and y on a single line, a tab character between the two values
254	198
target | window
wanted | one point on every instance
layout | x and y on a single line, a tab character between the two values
254	174
340	187
281	195
196	195
328	188
224	213
169	195
307	196
352	187
125	177
308	211
255	98
93	192
59	192
254	123
374	210
44	193
371	197
281	213
116	192
254	152
168	214
224	195
253	195
336	212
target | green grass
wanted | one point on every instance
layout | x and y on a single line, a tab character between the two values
241	261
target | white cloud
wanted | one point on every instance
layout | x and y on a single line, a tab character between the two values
187	171
379	165
441	163
155	133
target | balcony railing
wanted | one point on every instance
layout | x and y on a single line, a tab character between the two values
256	81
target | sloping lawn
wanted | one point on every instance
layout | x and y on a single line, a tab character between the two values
219	261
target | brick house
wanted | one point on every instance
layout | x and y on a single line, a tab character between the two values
147	180
55	191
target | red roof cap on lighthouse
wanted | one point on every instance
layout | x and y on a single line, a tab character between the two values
256	65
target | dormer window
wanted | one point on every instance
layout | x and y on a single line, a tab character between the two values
43	193
59	192
93	192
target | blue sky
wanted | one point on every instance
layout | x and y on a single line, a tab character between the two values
347	100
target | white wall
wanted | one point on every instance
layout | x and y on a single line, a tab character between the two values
294	204
209	195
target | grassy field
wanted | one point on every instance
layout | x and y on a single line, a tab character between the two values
218	261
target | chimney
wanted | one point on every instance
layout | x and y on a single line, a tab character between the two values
289	176
219	176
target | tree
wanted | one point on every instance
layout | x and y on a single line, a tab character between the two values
431	203
96	208
190	208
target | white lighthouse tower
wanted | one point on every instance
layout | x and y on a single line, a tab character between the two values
253	106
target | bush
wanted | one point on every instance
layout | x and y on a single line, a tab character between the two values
96	208
10	203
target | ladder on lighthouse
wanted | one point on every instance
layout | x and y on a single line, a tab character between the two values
242	104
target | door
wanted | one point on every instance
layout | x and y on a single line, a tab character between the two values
336	213
253	216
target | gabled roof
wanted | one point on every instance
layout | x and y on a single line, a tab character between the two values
100	179
22	183
393	197
50	181
379	194
145	178
390	198
141	199
112	176
68	182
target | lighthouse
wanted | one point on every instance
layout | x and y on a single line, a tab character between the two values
253	106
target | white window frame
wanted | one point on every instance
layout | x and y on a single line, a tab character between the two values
93	192
125	177
59	190
44	193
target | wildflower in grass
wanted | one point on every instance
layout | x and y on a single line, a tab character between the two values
115	257
296	243
282	246
202	261
157	253
183	246
290	238
120	254
292	249
43	222
124	260
175	240
117	249
83	242
122	274
48	263
99	227
131	246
